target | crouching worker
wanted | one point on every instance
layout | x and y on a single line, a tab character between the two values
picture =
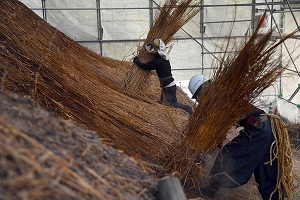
162	65
247	154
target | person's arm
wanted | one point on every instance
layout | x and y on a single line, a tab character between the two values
147	66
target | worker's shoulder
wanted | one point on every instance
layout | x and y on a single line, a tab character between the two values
161	59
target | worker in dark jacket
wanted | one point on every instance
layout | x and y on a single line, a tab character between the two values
162	65
247	154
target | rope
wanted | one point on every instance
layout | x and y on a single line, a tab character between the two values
281	150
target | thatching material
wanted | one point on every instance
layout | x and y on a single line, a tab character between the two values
43	157
75	83
237	82
172	16
287	179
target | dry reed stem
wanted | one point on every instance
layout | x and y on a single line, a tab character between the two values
171	17
25	155
43	157
235	85
73	82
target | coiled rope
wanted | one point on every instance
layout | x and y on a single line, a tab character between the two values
287	179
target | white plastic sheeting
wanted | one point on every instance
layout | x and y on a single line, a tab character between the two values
117	28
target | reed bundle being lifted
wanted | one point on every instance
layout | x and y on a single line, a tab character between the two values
235	86
171	17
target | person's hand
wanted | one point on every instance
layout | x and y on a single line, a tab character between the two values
207	157
135	59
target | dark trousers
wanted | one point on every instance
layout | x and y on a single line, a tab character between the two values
248	153
169	95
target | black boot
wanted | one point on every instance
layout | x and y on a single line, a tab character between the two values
210	190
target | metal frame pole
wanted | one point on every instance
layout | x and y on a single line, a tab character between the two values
202	31
99	26
44	10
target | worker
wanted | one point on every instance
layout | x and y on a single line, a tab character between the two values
247	154
162	65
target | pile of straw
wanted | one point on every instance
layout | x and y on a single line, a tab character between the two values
171	17
239	80
43	157
75	83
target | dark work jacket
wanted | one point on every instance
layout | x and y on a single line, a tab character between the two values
247	154
162	67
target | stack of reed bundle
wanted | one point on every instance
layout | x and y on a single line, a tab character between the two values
172	16
235	86
75	83
43	157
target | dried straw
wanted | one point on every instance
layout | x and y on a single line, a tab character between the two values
171	17
75	83
67	176
43	157
240	78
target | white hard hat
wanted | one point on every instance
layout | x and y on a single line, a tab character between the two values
195	82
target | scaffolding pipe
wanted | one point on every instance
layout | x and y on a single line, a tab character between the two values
194	39
253	15
282	28
151	12
292	60
204	6
202	31
99	26
294	94
44	10
154	5
290	9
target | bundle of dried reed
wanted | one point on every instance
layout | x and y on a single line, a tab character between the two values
172	16
240	78
43	157
73	82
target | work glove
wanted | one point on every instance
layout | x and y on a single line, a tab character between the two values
207	157
135	59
